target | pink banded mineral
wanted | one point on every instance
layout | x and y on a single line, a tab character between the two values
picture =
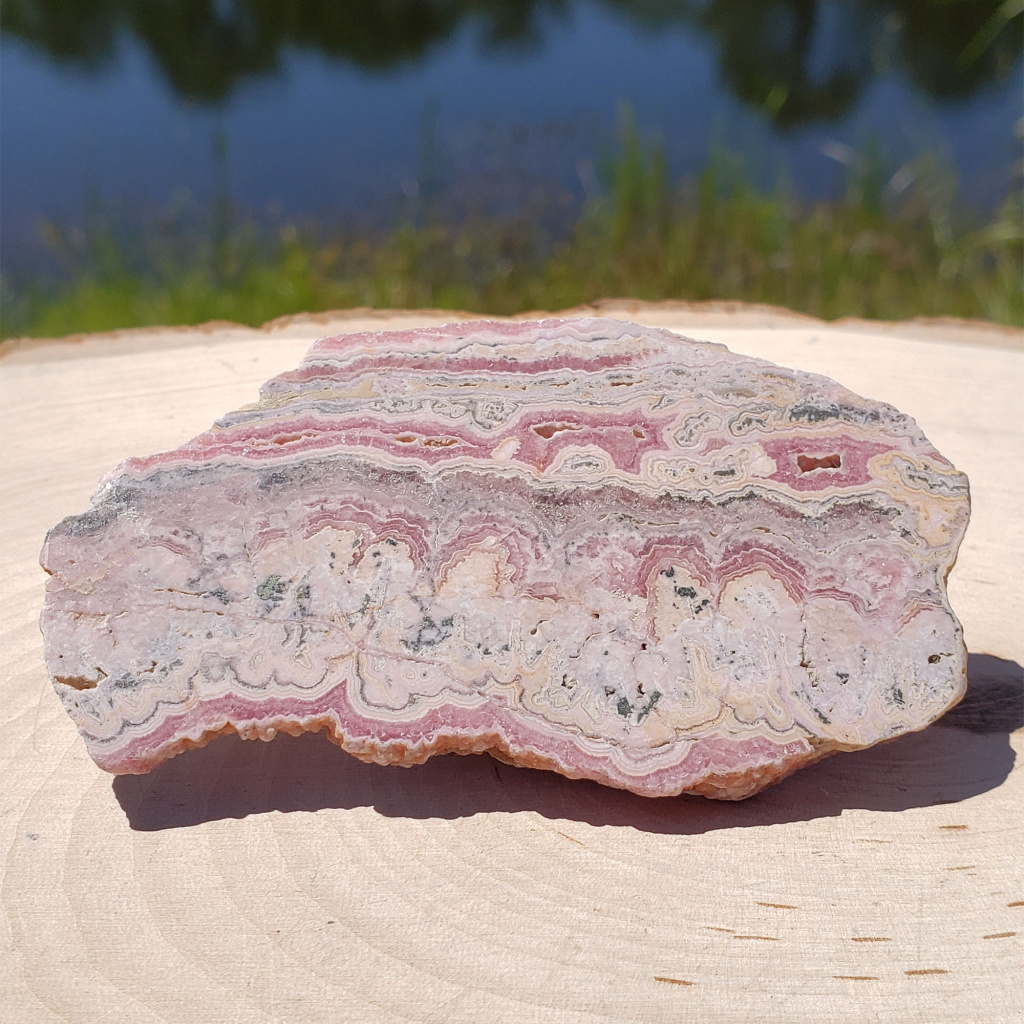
580	545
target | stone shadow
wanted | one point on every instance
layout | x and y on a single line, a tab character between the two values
966	753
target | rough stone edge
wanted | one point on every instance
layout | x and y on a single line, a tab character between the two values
715	313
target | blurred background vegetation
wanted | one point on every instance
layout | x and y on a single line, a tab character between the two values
895	241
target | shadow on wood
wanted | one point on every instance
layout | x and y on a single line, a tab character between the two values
965	754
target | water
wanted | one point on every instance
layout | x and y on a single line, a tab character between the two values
360	119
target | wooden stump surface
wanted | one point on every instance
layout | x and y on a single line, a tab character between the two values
288	882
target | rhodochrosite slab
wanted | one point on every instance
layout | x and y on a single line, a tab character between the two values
580	545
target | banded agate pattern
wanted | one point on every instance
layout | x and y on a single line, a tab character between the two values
580	545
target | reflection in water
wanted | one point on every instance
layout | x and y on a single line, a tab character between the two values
798	61
460	153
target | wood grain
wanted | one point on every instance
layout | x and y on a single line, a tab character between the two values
288	882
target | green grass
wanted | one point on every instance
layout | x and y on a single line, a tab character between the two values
890	249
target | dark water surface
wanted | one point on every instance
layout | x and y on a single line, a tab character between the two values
359	109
